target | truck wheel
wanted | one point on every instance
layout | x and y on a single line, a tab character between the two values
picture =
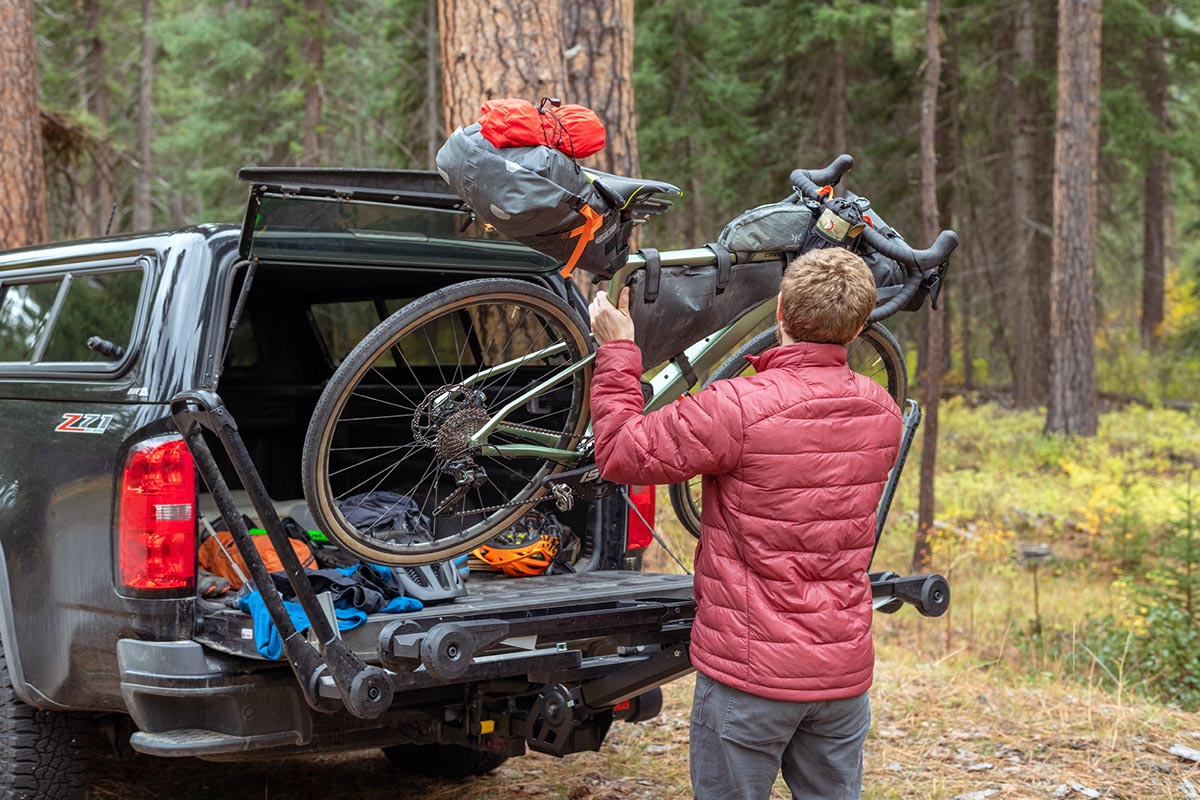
454	761
43	754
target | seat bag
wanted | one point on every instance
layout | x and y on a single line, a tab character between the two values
535	195
571	129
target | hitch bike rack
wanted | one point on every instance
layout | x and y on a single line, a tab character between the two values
460	646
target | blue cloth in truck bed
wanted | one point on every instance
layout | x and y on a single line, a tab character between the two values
266	636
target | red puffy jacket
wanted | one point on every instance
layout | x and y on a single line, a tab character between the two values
794	459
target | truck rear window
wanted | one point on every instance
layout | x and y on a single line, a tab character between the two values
24	310
103	305
51	320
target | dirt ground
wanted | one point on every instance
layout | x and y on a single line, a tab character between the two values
941	730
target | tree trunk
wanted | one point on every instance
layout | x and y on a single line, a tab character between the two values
433	127
599	44
1155	199
946	153
1030	365
142	209
22	169
314	82
931	367
1072	406
1045	167
840	102
508	48
994	239
100	187
598	35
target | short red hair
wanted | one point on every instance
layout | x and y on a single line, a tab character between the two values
826	296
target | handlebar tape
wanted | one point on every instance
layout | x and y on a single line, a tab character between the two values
809	183
823	177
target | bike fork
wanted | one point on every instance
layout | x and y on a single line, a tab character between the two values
912	420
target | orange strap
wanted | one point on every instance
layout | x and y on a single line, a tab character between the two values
825	191
586	232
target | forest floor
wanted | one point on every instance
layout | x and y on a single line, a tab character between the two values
971	705
940	730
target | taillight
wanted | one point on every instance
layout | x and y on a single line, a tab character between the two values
639	535
157	533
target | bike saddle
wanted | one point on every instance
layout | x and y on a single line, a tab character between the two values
624	192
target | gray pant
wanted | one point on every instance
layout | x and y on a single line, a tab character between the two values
740	741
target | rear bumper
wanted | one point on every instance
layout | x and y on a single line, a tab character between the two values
597	639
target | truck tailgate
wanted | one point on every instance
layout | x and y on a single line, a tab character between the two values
575	606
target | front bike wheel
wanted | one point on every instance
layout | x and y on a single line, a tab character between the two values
399	413
875	353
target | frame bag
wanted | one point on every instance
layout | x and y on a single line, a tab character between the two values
675	306
536	195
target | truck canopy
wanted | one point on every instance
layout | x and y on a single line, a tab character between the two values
356	216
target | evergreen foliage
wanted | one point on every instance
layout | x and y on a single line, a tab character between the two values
730	98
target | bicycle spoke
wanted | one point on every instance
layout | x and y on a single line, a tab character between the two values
384	402
367	419
373	458
394	387
387	511
387	470
520	364
504	349
363	447
433	352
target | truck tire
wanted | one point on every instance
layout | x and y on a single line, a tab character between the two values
43	754
453	761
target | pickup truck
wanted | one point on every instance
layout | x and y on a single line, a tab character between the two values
102	633
132	366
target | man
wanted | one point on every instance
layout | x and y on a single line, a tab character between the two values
794	461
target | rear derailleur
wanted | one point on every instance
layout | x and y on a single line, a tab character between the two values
467	475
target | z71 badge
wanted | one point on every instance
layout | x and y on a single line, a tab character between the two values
84	423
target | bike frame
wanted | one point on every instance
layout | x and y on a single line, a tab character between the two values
668	383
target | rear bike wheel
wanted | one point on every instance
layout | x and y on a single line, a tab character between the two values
875	353
399	412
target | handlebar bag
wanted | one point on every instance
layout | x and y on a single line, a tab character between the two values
535	195
790	227
684	304
886	271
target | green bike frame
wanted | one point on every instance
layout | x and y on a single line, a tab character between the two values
668	383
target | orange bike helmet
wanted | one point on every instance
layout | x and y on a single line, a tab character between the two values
527	548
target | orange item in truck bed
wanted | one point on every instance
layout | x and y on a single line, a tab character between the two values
214	560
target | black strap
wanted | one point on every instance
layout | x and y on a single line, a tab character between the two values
724	264
685	366
653	273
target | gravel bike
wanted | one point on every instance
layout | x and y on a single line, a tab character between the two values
487	382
